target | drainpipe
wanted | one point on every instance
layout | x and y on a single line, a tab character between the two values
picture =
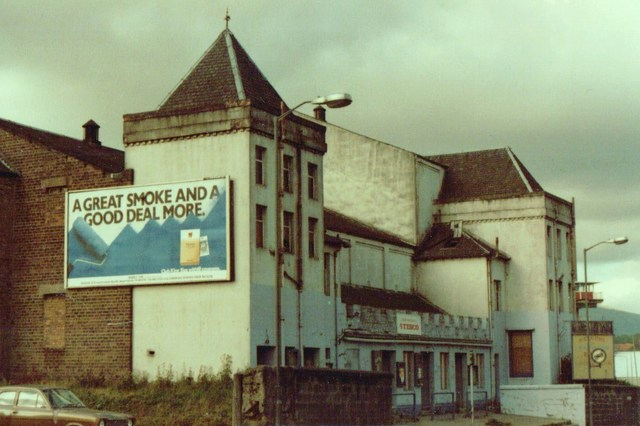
335	305
299	265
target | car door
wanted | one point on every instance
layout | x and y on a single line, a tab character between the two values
31	409
7	398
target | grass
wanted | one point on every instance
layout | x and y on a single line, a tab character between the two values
165	401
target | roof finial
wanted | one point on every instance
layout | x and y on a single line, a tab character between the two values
227	18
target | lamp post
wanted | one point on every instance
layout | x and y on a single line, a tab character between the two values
339	100
616	241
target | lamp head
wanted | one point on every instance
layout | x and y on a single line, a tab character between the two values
619	240
338	100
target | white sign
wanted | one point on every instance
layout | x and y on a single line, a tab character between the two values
409	324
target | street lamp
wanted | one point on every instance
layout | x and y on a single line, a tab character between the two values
617	241
338	100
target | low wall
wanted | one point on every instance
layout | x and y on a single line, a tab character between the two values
554	401
313	396
615	404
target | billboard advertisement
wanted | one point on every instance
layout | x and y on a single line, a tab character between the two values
155	234
595	353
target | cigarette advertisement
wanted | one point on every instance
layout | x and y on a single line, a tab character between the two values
147	235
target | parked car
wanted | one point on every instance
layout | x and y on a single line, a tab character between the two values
42	405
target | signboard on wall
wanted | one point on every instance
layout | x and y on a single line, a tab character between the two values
155	234
596	353
409	324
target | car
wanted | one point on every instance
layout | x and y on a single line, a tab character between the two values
50	405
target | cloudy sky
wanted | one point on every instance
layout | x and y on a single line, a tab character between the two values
557	81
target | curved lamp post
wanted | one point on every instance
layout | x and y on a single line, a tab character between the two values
339	100
616	241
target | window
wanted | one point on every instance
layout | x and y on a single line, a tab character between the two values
311	357
7	398
54	321
551	295
260	165
313	225
559	298
327	358
287	232
31	399
327	274
521	353
287	173
266	355
497	295
549	241
478	370
444	370
558	244
567	245
261	216
571	297
312	181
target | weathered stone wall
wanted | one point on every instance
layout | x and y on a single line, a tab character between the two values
615	405
313	396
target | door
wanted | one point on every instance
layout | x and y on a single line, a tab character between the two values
426	379
461	380
31	410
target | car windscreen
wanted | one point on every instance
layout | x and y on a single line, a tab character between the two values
63	398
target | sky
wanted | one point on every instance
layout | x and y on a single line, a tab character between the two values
557	81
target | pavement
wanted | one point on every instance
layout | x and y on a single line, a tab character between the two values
485	419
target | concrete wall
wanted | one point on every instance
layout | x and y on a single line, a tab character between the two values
361	173
313	397
213	318
439	280
556	401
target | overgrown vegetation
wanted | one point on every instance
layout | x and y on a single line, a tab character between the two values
188	400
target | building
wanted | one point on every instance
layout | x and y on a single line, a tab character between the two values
390	260
47	330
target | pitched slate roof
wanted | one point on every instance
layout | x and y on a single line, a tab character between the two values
387	299
440	243
341	224
108	159
224	74
495	173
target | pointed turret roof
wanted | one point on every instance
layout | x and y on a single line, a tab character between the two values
224	74
493	173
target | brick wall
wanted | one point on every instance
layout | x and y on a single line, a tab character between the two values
97	322
7	191
615	405
313	396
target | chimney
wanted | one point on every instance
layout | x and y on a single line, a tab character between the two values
320	113
91	130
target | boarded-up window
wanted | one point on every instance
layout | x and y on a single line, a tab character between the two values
54	321
521	353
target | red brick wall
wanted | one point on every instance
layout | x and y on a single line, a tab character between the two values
7	190
97	323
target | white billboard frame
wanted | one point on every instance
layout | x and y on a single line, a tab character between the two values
176	233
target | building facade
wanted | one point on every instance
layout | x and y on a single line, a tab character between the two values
437	269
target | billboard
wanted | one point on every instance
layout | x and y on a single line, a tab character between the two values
155	234
595	354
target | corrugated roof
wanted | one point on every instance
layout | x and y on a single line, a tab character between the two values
224	74
387	299
495	173
341	224
108	159
440	243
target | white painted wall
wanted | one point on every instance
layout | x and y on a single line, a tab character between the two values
459	286
362	173
555	402
193	326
